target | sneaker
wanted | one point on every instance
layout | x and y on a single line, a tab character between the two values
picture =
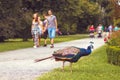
38	46
52	46
34	46
44	45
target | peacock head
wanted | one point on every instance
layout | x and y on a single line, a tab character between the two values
91	45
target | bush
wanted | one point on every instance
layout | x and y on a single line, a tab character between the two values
117	22
113	54
113	48
115	39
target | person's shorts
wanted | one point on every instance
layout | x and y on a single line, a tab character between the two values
51	32
45	34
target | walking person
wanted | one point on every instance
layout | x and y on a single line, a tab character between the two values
91	31
99	30
110	28
116	28
52	27
45	29
36	30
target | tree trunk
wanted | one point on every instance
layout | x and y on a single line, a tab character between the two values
2	39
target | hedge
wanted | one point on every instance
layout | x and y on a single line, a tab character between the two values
113	54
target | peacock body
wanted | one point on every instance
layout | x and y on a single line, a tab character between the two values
71	54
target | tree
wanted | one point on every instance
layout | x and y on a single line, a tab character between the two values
73	15
77	13
12	16
8	12
90	15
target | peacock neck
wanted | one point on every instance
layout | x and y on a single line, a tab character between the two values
89	51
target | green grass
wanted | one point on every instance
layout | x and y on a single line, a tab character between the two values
13	44
92	67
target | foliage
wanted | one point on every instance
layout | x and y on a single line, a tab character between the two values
117	22
13	20
24	31
92	67
107	9
113	54
73	15
114	39
68	12
90	15
113	48
8	13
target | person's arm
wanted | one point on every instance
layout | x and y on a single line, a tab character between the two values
46	25
41	25
56	24
32	26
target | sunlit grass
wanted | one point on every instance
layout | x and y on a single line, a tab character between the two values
92	67
13	44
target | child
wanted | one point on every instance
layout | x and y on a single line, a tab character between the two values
45	29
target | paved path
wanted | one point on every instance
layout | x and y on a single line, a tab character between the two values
19	64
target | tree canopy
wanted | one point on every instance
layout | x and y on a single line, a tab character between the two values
73	15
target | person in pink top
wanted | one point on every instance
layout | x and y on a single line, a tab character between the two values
91	30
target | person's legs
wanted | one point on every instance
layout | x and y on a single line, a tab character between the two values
35	40
52	37
52	41
33	35
49	32
45	38
39	37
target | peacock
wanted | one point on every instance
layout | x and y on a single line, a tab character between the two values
70	54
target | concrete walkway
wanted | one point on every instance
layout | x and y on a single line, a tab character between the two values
19	64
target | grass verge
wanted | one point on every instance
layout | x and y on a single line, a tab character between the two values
92	67
13	44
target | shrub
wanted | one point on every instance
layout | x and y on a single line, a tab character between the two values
115	39
117	22
113	48
113	54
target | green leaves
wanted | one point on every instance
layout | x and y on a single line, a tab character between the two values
73	15
12	19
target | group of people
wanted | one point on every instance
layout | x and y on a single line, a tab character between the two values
45	28
100	29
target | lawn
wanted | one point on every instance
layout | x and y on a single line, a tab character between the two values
13	44
92	67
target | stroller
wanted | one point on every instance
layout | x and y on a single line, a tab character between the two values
91	31
92	34
99	33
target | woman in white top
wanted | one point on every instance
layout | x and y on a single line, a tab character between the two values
36	29
99	30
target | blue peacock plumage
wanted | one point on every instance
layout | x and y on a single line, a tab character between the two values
72	57
71	54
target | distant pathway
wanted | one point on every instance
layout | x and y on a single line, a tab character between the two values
19	64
